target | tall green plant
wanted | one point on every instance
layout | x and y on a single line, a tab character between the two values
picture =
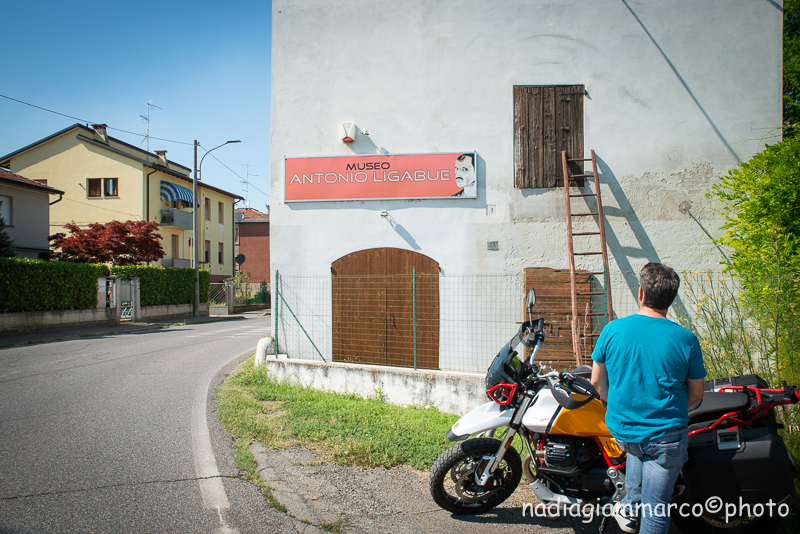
761	205
755	327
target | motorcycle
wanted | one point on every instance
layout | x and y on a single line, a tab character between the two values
736	456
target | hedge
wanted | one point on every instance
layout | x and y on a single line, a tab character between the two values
34	285
160	286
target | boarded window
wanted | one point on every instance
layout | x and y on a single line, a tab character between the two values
547	120
220	213
554	305
207	207
207	252
221	258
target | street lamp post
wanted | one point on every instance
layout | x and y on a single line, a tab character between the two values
195	223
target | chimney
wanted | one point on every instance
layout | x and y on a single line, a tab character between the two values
100	133
162	157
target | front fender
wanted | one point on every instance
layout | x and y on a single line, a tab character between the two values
485	417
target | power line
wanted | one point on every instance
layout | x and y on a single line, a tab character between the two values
88	121
234	172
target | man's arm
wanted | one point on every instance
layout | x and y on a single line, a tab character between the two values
695	389
600	380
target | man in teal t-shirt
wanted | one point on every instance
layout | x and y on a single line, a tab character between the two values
649	370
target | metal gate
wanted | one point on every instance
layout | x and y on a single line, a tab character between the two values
126	296
218	299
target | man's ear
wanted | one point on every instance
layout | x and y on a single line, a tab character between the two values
641	296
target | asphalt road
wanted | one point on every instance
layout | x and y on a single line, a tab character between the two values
113	434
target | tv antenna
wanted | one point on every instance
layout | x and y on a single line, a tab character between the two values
246	180
146	119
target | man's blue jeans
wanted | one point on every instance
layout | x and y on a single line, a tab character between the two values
650	473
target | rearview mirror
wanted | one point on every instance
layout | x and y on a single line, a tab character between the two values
531	300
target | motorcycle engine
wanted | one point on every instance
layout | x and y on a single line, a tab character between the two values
564	452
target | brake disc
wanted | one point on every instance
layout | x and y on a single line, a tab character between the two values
465	488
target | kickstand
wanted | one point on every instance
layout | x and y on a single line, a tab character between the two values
604	524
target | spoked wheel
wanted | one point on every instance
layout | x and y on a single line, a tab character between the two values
452	480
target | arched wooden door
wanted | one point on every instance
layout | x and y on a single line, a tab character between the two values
386	308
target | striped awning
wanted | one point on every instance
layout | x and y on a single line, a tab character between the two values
172	192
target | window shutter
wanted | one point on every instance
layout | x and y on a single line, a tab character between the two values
547	120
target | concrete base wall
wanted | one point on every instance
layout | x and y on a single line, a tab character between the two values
449	392
169	310
55	318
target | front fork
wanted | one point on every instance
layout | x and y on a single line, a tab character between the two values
488	464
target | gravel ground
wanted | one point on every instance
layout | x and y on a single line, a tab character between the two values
388	500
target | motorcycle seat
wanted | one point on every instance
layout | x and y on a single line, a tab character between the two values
717	404
584	371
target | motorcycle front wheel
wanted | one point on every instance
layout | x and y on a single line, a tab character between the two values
452	481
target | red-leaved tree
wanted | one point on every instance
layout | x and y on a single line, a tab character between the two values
117	243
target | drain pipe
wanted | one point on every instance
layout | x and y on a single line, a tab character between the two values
263	346
60	198
147	188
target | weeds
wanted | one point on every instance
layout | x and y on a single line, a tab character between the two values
337	527
347	429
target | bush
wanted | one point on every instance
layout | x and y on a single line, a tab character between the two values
33	285
160	286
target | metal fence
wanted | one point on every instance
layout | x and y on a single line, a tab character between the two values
453	323
251	293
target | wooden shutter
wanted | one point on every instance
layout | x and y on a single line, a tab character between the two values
547	120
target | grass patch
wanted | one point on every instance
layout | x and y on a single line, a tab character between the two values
337	527
246	462
347	429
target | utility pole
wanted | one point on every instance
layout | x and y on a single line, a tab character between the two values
194	237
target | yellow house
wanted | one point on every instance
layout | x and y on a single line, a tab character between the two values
106	179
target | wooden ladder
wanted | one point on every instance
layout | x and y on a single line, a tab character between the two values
568	196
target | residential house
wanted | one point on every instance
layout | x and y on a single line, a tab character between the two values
252	241
106	179
25	207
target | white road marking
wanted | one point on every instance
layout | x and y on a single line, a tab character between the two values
214	497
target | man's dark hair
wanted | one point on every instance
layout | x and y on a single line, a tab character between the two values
463	157
660	285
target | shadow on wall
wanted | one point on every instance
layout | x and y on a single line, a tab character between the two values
622	254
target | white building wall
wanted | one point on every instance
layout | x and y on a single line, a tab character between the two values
678	93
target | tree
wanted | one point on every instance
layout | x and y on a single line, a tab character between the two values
117	243
7	248
791	67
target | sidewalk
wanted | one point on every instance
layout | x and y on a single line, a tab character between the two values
11	338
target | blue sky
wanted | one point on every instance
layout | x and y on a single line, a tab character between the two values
206	64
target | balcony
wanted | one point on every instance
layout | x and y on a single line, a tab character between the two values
176	218
176	262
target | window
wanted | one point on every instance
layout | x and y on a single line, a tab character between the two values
221	258
102	187
207	252
547	120
236	235
110	187
5	210
43	182
95	187
221	213
208	209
